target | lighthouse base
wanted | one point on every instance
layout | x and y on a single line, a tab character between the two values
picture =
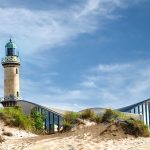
9	103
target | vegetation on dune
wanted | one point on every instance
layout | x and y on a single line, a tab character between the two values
98	118
67	125
69	119
136	128
37	120
127	123
88	114
113	115
14	116
91	115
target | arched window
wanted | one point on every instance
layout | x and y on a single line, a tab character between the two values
17	94
16	71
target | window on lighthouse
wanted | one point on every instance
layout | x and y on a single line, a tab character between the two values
9	52
16	71
17	94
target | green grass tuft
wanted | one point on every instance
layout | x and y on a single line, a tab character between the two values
110	115
97	118
129	125
66	125
88	114
14	116
71	117
136	128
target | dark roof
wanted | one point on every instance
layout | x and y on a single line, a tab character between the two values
41	107
132	106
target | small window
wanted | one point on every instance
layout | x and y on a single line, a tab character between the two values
17	94
16	71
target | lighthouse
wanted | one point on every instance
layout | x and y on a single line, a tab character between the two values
11	64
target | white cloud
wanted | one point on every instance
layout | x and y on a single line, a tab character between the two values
103	85
119	84
117	87
88	84
35	29
112	67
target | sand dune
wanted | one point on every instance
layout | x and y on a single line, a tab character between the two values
88	143
84	138
18	141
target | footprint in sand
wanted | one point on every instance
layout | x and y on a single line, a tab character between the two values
71	147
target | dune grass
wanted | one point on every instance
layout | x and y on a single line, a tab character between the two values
129	124
69	119
88	114
14	116
136	128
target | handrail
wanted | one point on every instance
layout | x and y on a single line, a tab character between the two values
10	59
2	99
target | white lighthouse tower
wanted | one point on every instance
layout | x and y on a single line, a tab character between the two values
11	64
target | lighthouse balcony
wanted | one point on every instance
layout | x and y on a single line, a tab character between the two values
9	98
11	60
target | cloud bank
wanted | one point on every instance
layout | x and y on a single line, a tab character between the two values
35	30
38	29
105	85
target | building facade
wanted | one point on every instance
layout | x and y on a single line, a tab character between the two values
142	108
53	121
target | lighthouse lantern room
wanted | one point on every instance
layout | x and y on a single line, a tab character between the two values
11	64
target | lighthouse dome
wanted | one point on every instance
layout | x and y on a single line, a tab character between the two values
10	44
11	49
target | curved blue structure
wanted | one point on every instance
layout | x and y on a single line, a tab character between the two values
141	108
53	120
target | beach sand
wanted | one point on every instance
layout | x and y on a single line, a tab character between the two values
87	142
87	138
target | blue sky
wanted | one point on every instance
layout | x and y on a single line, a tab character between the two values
80	53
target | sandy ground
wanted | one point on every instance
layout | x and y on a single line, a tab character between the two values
88	138
18	141
87	143
76	143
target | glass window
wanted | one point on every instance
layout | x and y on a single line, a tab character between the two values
60	121
17	94
136	110
47	120
51	118
144	114
56	119
132	110
140	109
9	52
